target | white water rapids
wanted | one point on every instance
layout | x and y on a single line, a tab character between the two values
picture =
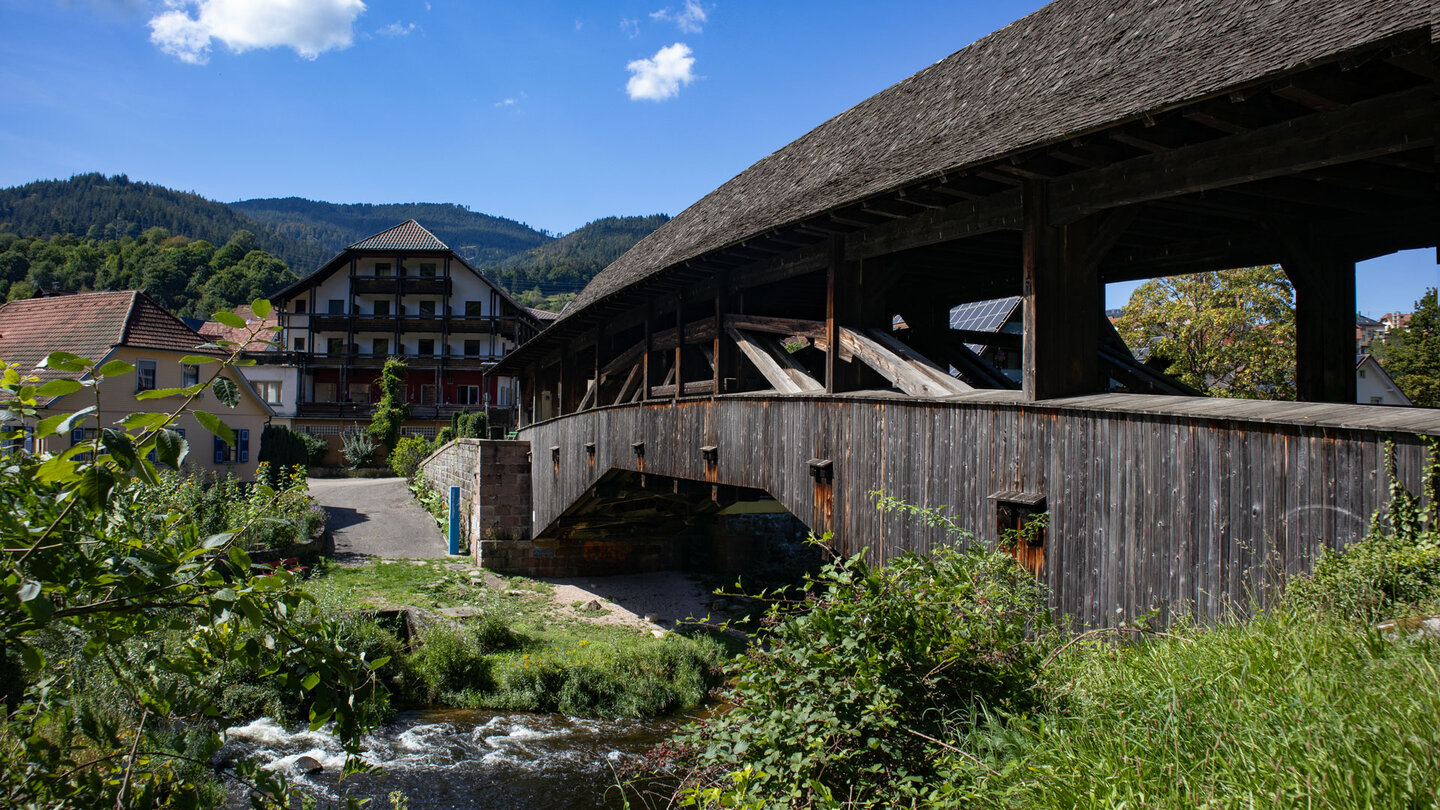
458	759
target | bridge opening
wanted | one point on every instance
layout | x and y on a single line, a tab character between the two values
631	522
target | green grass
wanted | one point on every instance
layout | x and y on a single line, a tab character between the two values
1285	710
521	653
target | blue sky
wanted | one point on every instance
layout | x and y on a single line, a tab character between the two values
551	113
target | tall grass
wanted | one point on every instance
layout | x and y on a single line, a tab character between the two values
1285	710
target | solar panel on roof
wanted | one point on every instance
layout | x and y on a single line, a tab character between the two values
983	316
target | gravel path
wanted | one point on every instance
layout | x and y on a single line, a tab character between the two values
643	601
376	518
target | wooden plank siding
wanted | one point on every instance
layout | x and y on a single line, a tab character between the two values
1180	510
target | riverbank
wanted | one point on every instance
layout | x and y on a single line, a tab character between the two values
472	639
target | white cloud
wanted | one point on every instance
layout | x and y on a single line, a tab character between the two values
691	19
309	27
630	27
660	77
511	101
398	29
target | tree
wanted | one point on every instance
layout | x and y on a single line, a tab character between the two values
115	620
1412	353
1227	334
391	410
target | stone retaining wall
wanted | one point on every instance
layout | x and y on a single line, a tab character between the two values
494	481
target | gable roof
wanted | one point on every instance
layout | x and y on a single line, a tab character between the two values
88	325
214	330
408	235
1072	67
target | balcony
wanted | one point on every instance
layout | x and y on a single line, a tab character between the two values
402	285
363	412
412	360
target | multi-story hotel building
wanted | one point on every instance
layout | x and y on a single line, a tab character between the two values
401	293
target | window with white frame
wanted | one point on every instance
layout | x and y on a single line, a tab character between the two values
145	375
189	375
269	390
467	395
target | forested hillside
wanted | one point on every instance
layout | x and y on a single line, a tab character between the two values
98	232
550	275
188	277
325	229
94	206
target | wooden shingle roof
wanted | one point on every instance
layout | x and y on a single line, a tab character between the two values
1074	66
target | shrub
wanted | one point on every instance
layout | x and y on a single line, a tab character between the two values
451	659
847	694
408	453
1395	570
358	449
282	447
316	448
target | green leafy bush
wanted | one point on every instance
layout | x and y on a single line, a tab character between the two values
408	453
276	516
316	448
847	695
118	612
1395	570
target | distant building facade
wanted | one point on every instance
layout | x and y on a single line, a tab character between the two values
129	326
400	293
1373	384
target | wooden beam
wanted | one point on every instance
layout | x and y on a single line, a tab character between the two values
590	396
918	361
963	219
785	376
777	326
628	387
898	370
1391	123
695	388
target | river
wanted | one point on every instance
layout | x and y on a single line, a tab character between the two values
452	758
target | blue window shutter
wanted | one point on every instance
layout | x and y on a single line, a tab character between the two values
219	450
242	438
77	435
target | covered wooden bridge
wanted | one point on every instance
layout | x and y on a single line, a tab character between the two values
751	342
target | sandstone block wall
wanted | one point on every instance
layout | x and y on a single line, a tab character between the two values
494	481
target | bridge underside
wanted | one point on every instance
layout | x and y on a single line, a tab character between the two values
1154	502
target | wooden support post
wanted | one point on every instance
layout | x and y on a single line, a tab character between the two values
599	335
645	354
719	347
679	345
1062	299
1324	280
842	308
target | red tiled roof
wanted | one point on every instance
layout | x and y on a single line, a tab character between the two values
544	315
214	330
88	325
408	235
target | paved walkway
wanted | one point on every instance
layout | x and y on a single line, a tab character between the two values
376	518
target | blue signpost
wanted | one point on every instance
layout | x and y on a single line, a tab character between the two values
454	520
